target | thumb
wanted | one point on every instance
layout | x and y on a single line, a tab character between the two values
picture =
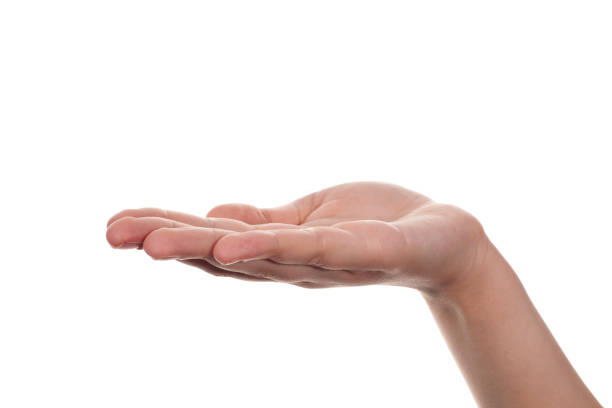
294	212
243	212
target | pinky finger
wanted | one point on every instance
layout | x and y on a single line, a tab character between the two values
216	271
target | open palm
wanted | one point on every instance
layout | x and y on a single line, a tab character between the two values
350	234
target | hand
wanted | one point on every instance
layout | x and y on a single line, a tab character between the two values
350	234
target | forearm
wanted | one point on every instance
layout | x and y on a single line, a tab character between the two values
506	353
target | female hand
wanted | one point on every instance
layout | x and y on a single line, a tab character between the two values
351	234
367	233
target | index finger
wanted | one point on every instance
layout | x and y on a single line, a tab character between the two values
367	245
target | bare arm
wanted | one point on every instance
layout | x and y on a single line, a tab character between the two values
506	353
379	233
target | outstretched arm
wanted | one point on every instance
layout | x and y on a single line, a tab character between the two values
379	233
506	353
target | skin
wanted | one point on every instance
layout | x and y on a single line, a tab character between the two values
366	233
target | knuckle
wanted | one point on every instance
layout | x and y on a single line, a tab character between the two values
317	255
466	220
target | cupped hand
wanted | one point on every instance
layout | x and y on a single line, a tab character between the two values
351	234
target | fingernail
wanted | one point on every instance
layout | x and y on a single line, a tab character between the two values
229	262
163	258
241	260
127	245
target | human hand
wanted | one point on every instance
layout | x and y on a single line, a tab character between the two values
351	234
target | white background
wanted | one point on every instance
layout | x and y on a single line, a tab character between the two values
502	108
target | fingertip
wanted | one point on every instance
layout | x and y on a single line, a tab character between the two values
157	244
114	235
223	210
222	252
120	216
111	220
116	217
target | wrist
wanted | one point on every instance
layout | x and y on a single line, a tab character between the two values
503	347
486	275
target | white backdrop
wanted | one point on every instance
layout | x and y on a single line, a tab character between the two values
502	108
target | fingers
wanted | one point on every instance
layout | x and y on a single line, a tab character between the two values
363	245
294	213
194	243
294	274
303	275
182	242
307	246
299	257
188	219
128	232
256	270
184	218
216	271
